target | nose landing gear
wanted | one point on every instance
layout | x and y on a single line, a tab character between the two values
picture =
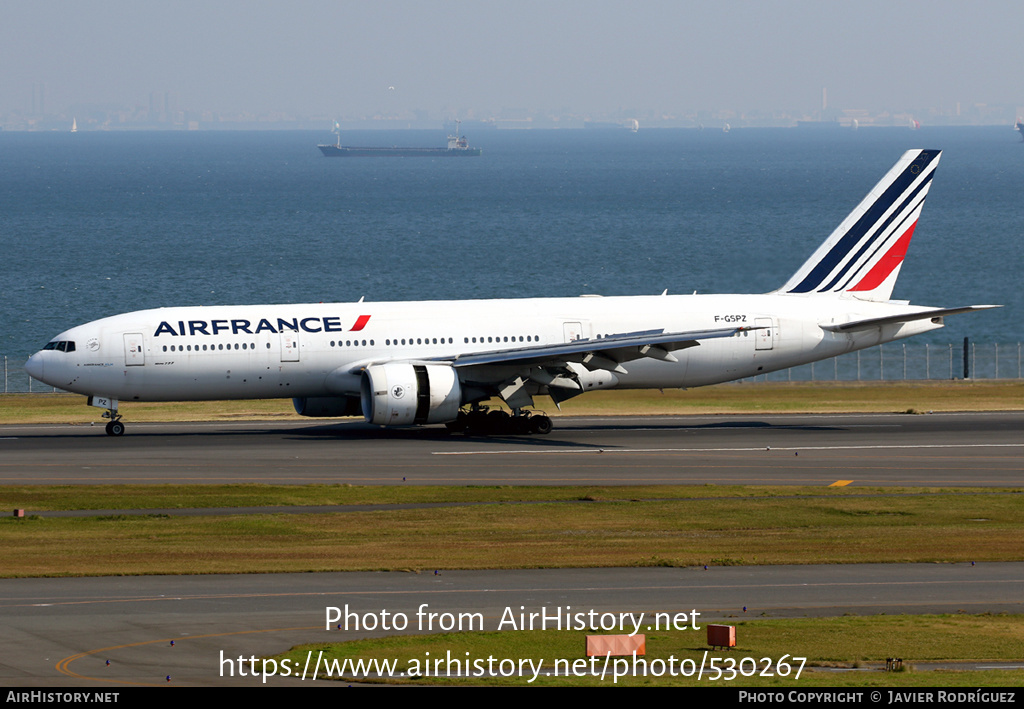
114	427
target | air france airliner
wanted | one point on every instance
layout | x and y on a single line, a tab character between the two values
437	362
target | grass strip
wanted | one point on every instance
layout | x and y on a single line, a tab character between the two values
847	642
41	498
743	397
940	527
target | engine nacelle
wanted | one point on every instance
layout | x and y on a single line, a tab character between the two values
405	394
317	406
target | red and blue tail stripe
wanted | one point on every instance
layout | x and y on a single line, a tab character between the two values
865	252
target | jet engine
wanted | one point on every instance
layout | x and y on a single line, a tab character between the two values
406	394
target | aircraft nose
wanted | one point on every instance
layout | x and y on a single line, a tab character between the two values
34	366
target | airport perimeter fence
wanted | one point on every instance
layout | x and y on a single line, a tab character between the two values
892	362
900	361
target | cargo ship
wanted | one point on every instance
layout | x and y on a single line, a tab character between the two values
458	147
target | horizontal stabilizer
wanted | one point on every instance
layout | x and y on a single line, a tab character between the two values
904	317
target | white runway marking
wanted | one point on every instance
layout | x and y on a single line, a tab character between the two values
599	451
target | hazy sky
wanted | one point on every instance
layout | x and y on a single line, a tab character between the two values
316	57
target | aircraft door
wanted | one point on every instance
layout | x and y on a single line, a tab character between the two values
289	347
134	349
766	335
573	331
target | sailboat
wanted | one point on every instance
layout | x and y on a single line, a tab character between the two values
74	125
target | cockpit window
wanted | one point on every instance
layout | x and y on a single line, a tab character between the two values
61	345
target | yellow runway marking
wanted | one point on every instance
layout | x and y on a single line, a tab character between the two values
841	483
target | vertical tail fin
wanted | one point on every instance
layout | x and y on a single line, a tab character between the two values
865	252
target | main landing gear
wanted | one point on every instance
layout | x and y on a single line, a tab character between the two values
480	421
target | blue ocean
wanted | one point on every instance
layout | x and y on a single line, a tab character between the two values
97	223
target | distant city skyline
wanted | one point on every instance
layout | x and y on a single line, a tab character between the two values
191	61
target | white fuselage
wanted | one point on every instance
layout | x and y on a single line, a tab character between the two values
319	350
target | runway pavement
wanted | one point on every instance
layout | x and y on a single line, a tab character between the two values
977	449
62	632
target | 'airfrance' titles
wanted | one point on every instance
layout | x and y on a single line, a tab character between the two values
241	325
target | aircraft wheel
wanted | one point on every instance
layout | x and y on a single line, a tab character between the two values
115	428
459	424
521	425
541	424
498	422
476	423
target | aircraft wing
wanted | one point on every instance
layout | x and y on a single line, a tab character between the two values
598	353
904	317
567	369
